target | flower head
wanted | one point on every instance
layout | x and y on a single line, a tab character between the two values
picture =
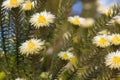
101	41
32	46
76	20
115	39
113	60
12	3
65	55
42	19
28	5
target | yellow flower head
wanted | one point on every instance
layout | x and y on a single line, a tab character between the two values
115	39
12	3
113	60
32	46
42	19
101	41
28	5
65	55
76	20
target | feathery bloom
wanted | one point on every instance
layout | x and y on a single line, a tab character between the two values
113	60
28	5
88	22
65	55
32	46
76	20
101	41
8	4
115	39
42	19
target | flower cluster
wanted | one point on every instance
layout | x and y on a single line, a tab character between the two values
42	19
65	55
113	60
79	21
26	5
104	39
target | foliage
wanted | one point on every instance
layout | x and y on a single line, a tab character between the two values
88	62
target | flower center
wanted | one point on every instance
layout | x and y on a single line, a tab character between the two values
65	56
76	21
31	44
102	41
13	2
115	39
28	5
116	60
41	19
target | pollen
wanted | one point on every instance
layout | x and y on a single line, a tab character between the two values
115	39
116	60
31	44
65	56
102	41
41	19
13	2
28	5
76	21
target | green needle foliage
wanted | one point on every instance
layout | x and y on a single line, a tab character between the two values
88	62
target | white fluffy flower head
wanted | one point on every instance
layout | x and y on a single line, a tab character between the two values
115	39
113	60
42	19
32	46
65	55
76	20
101	41
28	5
8	4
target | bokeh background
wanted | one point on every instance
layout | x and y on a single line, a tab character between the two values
87	8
